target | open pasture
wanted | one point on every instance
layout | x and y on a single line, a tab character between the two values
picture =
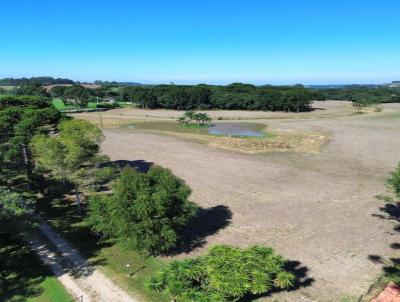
319	210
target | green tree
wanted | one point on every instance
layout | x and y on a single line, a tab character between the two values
58	91
145	212
76	95
72	155
225	273
358	104
31	88
20	119
13	210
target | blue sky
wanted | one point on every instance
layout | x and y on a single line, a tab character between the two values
220	41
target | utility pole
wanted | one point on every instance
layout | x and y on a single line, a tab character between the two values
101	119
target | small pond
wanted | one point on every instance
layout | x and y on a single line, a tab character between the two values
228	129
236	129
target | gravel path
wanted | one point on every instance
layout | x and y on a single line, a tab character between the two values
73	271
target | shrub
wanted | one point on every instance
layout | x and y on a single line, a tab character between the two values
226	273
145	211
394	181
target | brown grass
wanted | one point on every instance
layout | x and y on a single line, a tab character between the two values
307	142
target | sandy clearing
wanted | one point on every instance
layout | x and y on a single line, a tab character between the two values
315	209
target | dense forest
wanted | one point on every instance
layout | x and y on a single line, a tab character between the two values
236	96
365	94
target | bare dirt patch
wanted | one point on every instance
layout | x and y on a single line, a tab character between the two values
91	86
316	209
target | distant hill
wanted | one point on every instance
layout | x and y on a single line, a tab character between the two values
116	84
339	86
41	80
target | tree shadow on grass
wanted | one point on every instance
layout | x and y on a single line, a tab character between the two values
302	280
23	271
206	223
391	267
61	213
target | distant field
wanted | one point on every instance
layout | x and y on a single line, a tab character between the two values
91	86
60	105
8	87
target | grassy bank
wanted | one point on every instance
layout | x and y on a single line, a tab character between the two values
27	279
60	105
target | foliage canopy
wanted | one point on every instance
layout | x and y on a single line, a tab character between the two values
145	212
226	273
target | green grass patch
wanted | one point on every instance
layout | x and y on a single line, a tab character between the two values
194	126
58	104
52	291
91	105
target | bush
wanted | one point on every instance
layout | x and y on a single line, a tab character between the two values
394	181
226	273
24	100
145	211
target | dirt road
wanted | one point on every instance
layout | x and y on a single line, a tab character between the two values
72	270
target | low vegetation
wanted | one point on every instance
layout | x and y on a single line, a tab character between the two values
224	274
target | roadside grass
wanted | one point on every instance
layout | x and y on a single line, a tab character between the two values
127	268
28	280
58	104
92	105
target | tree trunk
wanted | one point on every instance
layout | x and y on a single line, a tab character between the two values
78	199
27	161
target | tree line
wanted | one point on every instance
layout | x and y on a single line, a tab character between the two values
363	94
40	80
236	96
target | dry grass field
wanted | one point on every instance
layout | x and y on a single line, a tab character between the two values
316	208
91	86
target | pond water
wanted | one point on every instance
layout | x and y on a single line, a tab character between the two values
235	129
229	129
